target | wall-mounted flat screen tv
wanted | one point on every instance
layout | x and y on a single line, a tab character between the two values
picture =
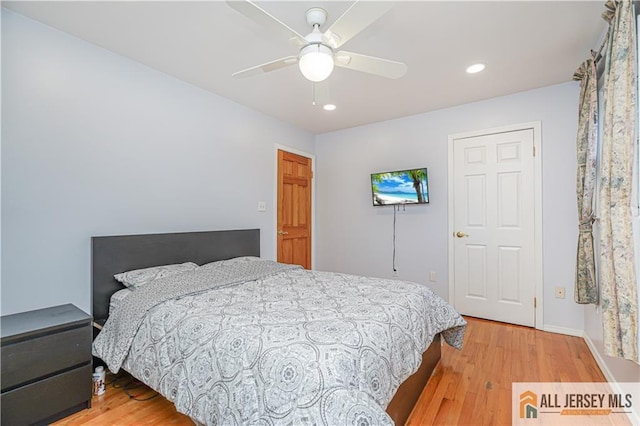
400	187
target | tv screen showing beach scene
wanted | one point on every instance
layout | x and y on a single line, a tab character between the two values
400	187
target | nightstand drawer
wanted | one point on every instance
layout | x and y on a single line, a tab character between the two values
29	360
36	402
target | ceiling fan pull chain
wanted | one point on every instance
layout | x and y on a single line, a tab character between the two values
313	93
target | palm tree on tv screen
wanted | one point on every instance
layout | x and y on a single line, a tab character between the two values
418	176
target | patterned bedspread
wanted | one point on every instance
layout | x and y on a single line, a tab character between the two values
289	346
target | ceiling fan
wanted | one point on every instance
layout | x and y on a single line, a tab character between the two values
318	50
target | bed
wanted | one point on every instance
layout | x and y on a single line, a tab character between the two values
290	359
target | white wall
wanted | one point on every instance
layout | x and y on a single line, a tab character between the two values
355	237
96	144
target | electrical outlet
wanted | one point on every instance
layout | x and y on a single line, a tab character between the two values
262	206
559	292
433	277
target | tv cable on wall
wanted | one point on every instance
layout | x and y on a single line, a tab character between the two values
393	262
399	188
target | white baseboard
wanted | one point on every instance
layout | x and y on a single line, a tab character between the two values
563	330
634	416
599	360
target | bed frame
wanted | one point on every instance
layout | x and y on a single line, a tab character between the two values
114	254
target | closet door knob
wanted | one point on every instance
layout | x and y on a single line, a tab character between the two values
461	234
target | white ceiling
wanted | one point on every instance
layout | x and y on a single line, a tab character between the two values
525	45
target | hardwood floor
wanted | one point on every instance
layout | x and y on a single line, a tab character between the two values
473	386
468	387
116	407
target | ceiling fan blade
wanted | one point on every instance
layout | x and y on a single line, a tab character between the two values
370	64
360	15
267	20
267	67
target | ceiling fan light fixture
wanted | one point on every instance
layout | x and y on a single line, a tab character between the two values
316	62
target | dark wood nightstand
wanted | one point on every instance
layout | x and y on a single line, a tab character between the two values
46	365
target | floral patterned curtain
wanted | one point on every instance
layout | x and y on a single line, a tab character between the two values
586	290
618	285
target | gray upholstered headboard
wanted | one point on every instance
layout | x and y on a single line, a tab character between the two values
115	254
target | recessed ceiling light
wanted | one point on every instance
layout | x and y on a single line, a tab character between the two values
475	68
329	107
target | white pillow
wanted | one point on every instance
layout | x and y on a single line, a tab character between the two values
230	261
139	277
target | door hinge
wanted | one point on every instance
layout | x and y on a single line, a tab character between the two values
534	150
535	302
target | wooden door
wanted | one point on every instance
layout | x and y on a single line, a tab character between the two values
294	209
494	226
